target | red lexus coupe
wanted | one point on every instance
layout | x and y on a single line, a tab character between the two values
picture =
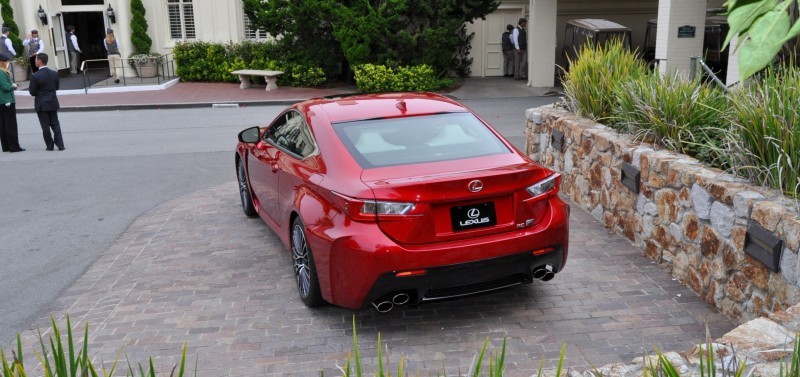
400	198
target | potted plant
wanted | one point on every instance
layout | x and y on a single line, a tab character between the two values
21	65
141	58
146	64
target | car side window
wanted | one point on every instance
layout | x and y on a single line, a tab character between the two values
290	132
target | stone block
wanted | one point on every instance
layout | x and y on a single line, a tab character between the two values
768	214
790	231
737	288
702	201
759	334
756	272
789	266
710	243
743	202
722	217
668	206
691	226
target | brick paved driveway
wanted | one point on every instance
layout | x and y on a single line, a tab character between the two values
196	270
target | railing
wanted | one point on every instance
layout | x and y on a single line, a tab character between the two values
709	72
97	73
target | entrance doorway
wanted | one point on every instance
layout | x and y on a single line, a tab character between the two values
90	28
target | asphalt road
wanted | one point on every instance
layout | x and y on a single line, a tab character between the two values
60	210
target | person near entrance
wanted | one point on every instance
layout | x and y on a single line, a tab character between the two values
7	50
508	52
43	86
114	57
35	46
9	137
74	50
520	40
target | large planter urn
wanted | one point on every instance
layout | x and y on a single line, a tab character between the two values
20	73
147	69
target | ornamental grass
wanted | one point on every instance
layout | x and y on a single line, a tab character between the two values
676	113
765	142
593	79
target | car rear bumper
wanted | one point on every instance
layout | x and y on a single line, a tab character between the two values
446	282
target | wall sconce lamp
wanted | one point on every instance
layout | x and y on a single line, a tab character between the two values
42	15
111	16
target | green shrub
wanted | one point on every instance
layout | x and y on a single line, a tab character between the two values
214	62
591	81
765	142
139	38
373	78
679	114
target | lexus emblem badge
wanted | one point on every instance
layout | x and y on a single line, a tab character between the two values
473	213
475	186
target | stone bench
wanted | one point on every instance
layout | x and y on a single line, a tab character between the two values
270	76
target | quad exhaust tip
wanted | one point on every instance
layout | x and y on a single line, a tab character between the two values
386	303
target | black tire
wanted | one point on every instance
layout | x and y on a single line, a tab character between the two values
305	272
244	192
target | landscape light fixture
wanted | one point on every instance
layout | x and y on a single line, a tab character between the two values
111	16
42	15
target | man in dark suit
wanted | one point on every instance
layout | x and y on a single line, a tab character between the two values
42	87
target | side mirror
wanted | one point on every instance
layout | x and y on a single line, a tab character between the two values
250	135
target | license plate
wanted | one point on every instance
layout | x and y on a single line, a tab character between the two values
473	216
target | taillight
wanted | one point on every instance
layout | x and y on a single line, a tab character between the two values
369	210
548	185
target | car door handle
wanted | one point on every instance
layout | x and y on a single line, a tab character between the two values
274	167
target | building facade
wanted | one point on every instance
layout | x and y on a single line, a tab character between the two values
170	21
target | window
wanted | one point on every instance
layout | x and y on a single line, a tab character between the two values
181	19
418	139
250	33
290	132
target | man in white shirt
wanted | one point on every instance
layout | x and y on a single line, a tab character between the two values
74	51
520	39
8	50
35	46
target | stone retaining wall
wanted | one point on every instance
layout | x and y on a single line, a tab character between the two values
691	219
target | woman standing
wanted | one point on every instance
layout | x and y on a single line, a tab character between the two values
8	111
114	57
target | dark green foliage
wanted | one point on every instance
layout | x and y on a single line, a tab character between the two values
214	62
8	21
139	39
380	78
304	25
404	32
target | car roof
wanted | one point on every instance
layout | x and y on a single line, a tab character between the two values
382	105
597	24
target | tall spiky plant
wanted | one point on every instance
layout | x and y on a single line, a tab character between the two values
139	39
8	21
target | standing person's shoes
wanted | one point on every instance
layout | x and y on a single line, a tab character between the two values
17	150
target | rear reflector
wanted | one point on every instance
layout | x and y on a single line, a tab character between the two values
410	273
543	251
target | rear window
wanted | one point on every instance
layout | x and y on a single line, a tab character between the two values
418	139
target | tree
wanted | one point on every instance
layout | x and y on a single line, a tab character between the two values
404	32
8	21
139	38
304	25
764	28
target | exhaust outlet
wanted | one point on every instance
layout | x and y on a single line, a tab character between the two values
401	299
383	306
544	273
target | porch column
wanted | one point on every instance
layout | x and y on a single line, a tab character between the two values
676	41
30	20
542	43
122	31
